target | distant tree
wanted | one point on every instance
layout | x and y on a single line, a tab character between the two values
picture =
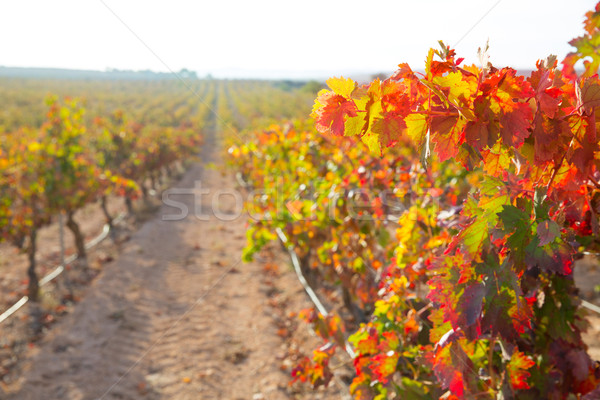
186	73
313	86
381	75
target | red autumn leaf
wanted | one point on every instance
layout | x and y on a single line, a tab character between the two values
389	130
435	192
496	160
583	158
389	342
451	366
477	134
548	97
330	112
482	131
383	365
585	144
507	80
368	345
447	136
505	314
514	125
517	370
403	72
551	137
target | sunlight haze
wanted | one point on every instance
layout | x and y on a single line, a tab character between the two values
266	38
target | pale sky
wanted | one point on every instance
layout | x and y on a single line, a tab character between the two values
263	38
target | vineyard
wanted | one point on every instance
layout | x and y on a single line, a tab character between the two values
442	213
429	235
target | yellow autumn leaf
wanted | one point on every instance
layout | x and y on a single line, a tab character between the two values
416	127
342	86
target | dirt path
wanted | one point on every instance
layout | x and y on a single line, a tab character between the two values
176	316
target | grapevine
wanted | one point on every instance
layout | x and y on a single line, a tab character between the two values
497	175
68	163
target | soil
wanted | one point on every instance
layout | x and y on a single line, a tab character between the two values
14	263
587	278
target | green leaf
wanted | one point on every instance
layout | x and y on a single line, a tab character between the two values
413	390
383	236
485	216
513	218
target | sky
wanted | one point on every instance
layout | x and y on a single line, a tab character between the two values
280	39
